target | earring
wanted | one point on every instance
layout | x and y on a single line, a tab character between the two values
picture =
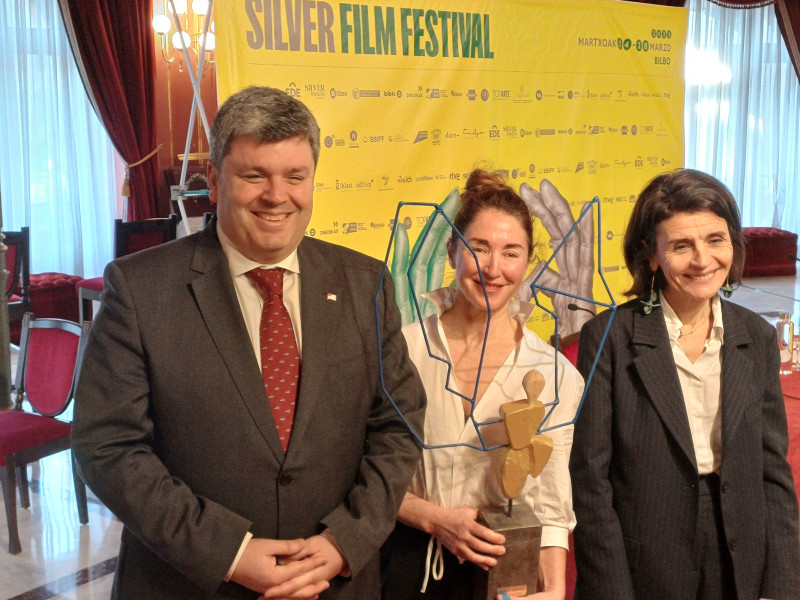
651	303
727	289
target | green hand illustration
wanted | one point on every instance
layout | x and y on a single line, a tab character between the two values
428	270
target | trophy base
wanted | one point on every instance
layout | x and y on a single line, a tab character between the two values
517	571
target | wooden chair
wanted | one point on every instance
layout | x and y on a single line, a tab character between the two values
50	354
129	237
18	265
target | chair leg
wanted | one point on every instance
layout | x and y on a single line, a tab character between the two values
84	304
80	493
23	486
83	308
8	482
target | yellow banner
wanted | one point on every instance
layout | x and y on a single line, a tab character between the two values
411	96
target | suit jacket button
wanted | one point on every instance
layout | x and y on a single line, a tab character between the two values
285	479
724	487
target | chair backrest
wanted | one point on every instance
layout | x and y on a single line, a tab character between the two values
18	262
50	354
132	236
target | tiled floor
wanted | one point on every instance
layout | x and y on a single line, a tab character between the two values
59	558
62	559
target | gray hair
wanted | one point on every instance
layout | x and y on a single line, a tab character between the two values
264	114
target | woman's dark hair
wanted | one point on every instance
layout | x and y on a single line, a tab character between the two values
681	191
487	189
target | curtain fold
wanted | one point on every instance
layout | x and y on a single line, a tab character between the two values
661	2
788	13
113	46
57	166
742	111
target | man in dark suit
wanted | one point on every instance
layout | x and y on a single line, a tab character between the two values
173	429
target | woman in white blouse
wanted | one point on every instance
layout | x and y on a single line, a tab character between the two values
437	534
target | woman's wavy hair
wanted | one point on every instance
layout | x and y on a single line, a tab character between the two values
681	191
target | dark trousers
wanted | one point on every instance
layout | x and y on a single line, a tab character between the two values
403	559
714	560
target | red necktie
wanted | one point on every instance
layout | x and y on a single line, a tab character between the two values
280	361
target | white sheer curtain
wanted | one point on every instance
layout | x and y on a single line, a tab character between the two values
742	114
57	164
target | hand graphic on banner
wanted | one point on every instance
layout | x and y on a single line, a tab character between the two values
575	260
428	270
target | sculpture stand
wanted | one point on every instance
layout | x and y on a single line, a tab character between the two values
517	571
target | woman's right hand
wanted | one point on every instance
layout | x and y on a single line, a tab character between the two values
458	530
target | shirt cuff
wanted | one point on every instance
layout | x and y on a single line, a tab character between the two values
247	537
328	535
555	536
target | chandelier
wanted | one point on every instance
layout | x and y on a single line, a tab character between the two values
183	30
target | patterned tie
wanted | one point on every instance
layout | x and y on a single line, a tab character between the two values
280	361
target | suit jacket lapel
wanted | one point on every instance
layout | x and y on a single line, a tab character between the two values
323	304
656	366
737	368
217	302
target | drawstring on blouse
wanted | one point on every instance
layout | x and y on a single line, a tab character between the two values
434	567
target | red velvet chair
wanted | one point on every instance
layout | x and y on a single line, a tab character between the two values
129	237
47	371
769	252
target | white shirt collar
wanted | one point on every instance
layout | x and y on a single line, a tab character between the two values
674	324
240	264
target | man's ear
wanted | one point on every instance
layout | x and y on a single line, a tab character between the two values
211	175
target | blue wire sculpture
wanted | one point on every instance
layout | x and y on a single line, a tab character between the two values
437	211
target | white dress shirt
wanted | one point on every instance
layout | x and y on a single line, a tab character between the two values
700	383
250	299
463	476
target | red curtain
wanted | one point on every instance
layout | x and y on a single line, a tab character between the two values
788	13
662	2
113	45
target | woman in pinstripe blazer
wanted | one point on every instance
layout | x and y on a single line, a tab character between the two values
681	485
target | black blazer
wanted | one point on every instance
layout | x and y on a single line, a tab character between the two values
174	434
634	475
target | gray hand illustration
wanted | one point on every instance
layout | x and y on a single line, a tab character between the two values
575	260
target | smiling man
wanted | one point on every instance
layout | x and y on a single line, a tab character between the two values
242	455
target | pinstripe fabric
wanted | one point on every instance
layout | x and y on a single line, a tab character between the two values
634	473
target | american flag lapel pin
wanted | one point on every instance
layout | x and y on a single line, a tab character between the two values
331	297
